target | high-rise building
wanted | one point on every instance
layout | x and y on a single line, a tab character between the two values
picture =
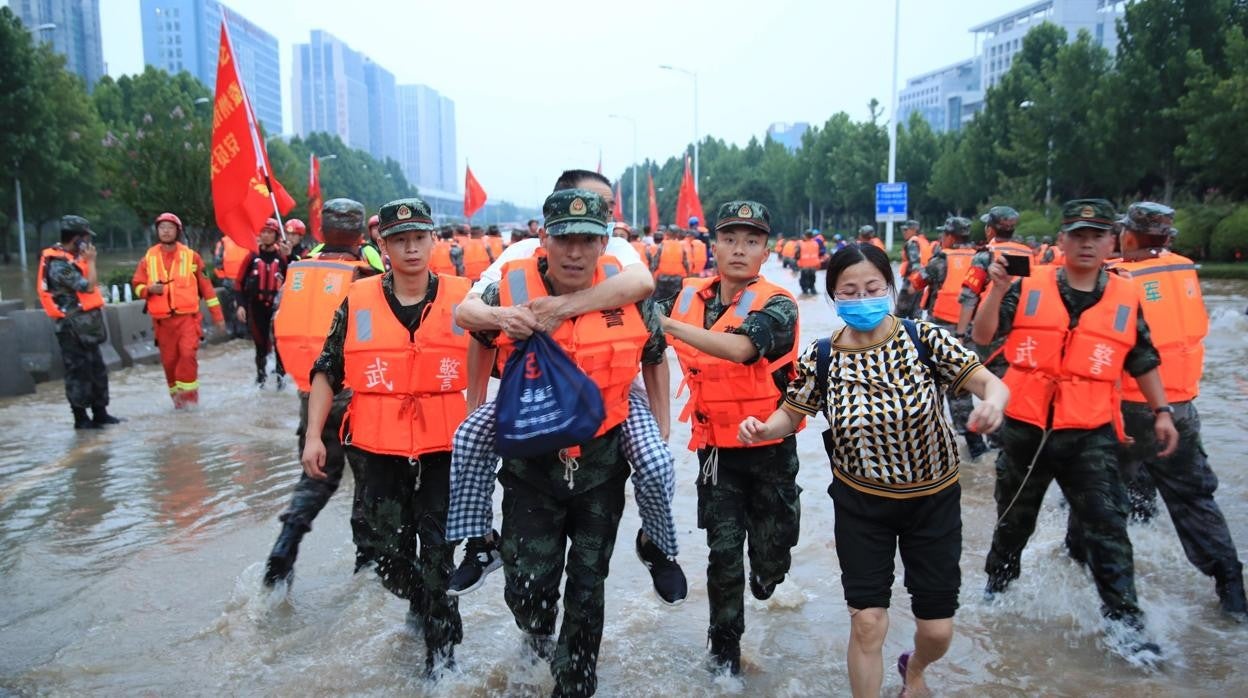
427	127
947	98
330	92
383	111
788	135
185	35
73	29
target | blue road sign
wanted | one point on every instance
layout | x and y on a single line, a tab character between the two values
890	201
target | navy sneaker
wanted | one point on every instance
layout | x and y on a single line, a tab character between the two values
668	578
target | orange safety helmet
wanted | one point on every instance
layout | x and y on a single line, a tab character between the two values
374	221
294	226
271	225
166	216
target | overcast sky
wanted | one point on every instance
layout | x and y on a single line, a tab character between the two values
534	80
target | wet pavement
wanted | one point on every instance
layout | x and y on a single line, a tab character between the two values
131	561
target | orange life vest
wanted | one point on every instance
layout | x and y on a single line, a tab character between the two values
476	258
1174	308
440	261
721	392
232	255
671	259
495	243
877	242
607	345
789	249
312	292
925	254
408	391
640	247
808	255
1070	374
181	293
90	300
1011	247
1041	252
697	257
947	309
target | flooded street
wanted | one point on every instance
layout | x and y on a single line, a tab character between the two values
132	558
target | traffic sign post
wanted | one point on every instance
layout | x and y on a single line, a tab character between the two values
890	202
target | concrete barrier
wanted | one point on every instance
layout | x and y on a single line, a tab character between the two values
131	333
12	306
210	333
14	380
36	345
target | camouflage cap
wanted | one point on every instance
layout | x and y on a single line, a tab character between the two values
575	212
1149	218
1087	213
957	225
343	215
402	215
866	230
1001	218
747	213
76	224
910	225
1047	240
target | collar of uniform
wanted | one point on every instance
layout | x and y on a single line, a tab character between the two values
387	286
1102	278
712	290
1144	253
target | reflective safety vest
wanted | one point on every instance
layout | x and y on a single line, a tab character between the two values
925	254
476	258
181	292
232	256
495	243
947	309
440	261
697	257
808	255
1064	378
89	300
671	259
1011	247
607	345
1169	293
722	392
408	390
312	292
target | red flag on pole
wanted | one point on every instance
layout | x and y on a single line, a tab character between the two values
654	204
687	203
474	195
314	198
244	192
617	210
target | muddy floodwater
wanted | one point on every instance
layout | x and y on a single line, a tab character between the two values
131	562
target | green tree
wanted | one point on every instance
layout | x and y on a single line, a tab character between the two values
1215	110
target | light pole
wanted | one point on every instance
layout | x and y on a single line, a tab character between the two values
693	75
632	121
1048	162
892	121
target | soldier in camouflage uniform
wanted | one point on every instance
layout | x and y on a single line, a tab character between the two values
1084	461
70	294
343	225
549	505
1186	481
745	494
908	296
404	499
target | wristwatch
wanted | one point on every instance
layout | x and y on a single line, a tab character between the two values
1167	409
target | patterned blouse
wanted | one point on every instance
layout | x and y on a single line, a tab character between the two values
888	430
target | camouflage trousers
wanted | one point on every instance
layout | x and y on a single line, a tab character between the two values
1085	464
666	287
311	495
404	504
750	499
960	405
537	530
86	377
908	300
806	280
1186	483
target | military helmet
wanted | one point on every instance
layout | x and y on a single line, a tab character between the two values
171	218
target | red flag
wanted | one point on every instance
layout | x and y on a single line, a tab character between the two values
687	203
617	210
244	192
314	198
474	195
654	204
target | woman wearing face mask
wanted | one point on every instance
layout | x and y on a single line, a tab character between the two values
879	382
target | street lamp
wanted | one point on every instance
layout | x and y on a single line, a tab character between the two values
632	121
1048	162
693	75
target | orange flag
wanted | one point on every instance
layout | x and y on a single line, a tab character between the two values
654	204
314	198
687	203
617	210
474	195
244	192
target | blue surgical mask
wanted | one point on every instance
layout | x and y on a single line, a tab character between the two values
864	314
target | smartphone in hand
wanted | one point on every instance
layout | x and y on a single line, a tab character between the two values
1017	265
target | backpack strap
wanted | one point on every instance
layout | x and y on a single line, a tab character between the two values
823	361
925	354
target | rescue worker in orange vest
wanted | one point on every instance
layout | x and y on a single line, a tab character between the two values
945	273
808	261
477	255
313	290
735	335
1048	251
916	252
1169	293
447	258
69	293
258	283
1071	334
555	505
494	241
788	253
696	249
866	236
394	343
371	251
295	232
670	264
227	262
637	244
171	278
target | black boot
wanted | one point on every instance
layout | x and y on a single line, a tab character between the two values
102	416
82	421
725	651
281	564
1230	588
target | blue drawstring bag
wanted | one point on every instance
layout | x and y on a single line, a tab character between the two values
545	402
